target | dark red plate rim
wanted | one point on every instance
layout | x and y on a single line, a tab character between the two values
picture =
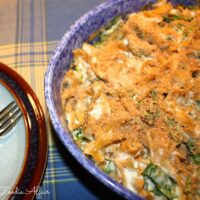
27	127
35	163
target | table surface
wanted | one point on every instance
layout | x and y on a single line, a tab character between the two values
30	31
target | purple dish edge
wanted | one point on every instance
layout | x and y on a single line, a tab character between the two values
60	130
64	136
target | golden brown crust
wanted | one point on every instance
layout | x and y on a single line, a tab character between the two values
141	93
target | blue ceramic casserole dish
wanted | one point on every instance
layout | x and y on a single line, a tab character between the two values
73	38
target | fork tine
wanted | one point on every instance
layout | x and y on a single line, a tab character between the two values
9	124
8	113
7	109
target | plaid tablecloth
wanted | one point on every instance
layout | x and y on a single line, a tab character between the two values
29	32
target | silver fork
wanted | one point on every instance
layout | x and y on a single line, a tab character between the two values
9	116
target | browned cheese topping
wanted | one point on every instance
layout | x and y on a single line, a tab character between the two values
132	101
